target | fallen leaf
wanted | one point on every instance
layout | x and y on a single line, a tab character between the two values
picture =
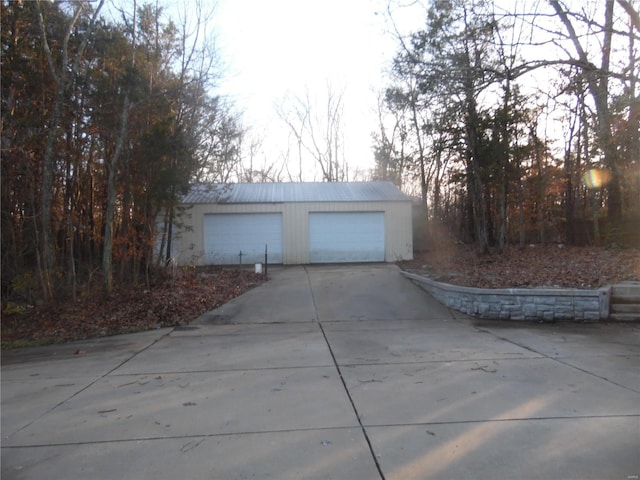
168	302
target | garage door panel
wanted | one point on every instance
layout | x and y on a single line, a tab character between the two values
346	237
226	235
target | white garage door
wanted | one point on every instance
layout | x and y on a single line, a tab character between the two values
226	235
346	237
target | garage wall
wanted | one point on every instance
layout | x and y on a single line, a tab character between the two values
295	226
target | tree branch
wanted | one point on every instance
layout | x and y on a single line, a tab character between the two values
633	15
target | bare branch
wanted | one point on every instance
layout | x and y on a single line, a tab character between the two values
633	15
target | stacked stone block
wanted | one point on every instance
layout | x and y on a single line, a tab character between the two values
542	304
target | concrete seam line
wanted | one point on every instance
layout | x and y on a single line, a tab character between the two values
89	385
344	383
559	360
135	354
174	437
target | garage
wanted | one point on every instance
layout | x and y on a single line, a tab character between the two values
339	237
300	222
230	239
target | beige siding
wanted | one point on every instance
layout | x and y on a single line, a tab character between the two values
189	245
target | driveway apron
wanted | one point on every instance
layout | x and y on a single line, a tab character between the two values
329	372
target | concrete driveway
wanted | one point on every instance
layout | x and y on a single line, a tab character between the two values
328	372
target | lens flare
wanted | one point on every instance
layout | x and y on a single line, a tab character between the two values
596	178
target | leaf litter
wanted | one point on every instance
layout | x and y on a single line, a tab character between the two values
555	266
169	302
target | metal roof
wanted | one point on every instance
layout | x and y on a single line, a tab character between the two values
295	192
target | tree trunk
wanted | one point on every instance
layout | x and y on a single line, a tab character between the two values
170	233
540	194
437	208
503	163
47	197
423	177
502	229
125	229
476	185
112	166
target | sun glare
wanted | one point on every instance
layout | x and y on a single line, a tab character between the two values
596	178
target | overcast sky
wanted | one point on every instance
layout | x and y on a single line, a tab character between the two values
278	48
272	50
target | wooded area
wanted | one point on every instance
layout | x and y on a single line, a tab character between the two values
103	125
519	121
518	125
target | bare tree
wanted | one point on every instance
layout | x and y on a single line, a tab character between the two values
390	143
317	125
252	170
598	84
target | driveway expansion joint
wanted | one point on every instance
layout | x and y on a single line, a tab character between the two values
344	384
560	361
410	395
218	370
178	437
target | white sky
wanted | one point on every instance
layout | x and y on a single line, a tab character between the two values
279	48
274	49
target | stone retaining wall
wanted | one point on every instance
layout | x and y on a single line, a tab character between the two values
545	304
